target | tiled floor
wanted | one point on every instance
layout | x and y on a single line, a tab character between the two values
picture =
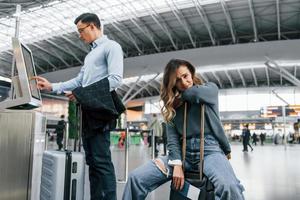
268	173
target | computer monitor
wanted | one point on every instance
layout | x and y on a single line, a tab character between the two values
26	94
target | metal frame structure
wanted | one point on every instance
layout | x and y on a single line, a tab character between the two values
152	27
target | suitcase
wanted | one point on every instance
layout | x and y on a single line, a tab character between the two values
62	175
63	172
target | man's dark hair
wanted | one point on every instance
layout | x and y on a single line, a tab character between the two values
62	116
88	18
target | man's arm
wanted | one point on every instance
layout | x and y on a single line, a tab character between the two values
44	84
70	84
115	65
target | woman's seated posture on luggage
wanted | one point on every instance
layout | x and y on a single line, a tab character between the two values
180	84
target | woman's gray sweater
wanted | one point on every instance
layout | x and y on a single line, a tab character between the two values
207	94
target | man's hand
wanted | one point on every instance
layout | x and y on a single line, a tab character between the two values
42	83
178	177
70	96
228	156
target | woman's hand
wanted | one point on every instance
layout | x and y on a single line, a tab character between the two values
178	177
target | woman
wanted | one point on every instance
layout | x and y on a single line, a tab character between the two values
181	85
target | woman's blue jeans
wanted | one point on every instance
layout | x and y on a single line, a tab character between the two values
217	168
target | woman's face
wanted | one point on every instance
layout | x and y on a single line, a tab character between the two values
183	78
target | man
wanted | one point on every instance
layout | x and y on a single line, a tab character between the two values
246	138
60	129
104	61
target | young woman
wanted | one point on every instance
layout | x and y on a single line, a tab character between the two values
181	85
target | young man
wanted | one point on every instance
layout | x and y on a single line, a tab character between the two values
104	61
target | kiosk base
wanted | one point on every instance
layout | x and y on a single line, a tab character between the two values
22	143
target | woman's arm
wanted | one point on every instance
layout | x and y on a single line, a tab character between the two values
174	145
175	160
206	93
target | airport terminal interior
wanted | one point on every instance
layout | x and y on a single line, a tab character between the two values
248	48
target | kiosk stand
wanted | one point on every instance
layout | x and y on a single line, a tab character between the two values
22	131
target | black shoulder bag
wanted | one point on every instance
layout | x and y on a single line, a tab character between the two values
197	179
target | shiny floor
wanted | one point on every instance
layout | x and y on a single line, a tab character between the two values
269	172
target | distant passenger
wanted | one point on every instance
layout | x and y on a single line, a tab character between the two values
262	138
60	130
246	138
180	87
254	138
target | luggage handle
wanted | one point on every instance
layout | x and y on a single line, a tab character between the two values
79	130
66	136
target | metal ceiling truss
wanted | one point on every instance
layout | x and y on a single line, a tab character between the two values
146	31
155	87
45	60
162	24
64	50
74	44
204	77
278	18
138	91
253	20
229	78
131	88
229	21
268	76
218	79
254	77
48	52
127	35
242	78
181	19
205	20
273	66
145	88
55	55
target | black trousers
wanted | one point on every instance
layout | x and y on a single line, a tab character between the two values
59	139
101	170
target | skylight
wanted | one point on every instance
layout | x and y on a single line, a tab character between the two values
56	18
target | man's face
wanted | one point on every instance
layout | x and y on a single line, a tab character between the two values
86	32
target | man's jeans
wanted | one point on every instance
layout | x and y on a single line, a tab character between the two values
217	168
101	170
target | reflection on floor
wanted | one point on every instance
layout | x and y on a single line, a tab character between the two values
269	172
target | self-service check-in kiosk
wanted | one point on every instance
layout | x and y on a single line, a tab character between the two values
22	131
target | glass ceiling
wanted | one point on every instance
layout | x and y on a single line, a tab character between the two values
56	18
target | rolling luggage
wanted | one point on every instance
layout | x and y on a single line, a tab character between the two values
63	174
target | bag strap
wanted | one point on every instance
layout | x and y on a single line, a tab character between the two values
202	119
184	129
184	134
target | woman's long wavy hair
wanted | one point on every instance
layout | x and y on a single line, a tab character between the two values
168	89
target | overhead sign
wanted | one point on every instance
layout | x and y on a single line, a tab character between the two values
276	111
